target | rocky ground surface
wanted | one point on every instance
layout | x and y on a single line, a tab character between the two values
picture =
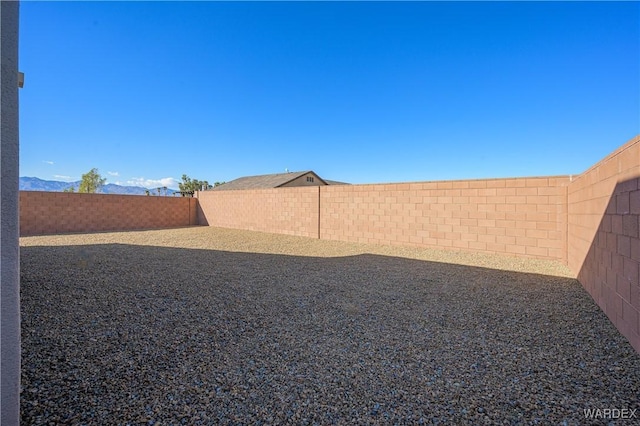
215	326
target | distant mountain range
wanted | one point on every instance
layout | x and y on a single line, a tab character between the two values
36	184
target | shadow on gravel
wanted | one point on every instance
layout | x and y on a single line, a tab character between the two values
123	334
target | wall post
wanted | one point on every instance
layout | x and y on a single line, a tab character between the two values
9	218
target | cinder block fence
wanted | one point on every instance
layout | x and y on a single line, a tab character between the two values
524	217
44	213
591	222
603	244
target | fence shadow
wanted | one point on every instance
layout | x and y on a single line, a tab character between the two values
120	333
610	271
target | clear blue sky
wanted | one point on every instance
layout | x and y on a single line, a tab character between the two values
358	92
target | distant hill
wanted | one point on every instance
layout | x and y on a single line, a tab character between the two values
36	184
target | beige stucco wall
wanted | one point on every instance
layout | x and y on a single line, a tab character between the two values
9	245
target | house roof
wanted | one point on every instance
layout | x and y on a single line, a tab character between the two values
264	181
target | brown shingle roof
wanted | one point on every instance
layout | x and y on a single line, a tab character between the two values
263	181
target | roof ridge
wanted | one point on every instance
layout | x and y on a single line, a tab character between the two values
273	180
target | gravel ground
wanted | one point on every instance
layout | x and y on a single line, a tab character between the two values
215	326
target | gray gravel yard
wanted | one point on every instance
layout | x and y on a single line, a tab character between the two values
216	326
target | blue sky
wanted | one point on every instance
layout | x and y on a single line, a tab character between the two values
356	91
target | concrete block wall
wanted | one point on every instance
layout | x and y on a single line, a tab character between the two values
292	211
603	236
591	221
523	217
59	212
